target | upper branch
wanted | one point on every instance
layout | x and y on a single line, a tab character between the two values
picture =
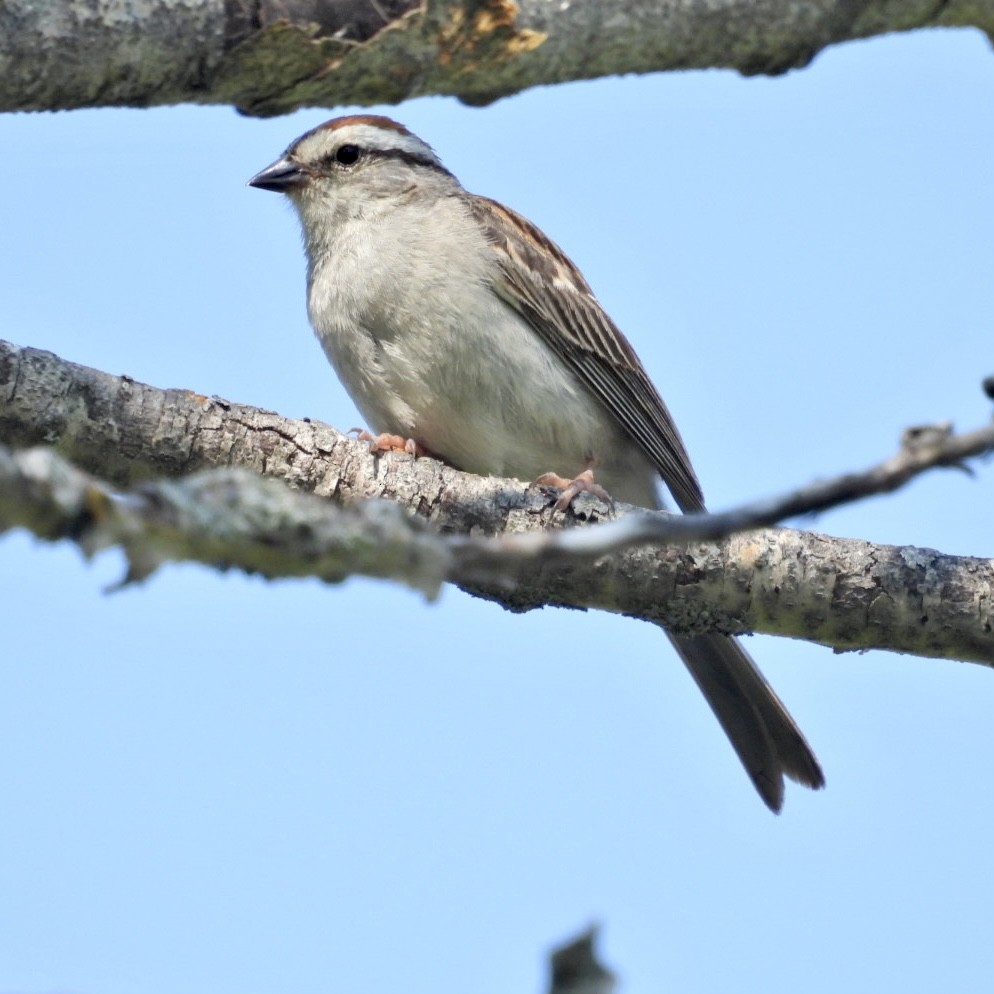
273	56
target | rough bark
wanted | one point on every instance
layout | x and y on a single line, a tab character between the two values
273	56
843	593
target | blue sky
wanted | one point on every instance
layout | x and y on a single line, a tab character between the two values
214	784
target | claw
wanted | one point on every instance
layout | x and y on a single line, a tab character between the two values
571	489
385	442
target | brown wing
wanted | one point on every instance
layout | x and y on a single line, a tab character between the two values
539	281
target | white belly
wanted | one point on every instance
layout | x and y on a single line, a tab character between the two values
461	373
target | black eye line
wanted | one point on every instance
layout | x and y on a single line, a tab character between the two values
411	158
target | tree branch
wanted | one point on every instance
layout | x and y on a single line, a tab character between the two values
843	593
575	967
274	56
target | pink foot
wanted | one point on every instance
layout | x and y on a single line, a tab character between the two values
385	442
584	483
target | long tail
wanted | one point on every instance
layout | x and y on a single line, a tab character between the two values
762	732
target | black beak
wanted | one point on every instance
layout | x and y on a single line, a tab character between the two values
281	177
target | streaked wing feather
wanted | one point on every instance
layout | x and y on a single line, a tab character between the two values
540	282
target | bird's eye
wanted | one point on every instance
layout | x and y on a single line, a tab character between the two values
347	155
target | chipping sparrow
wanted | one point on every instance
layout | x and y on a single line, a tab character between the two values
455	323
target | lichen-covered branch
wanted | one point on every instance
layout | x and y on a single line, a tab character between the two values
843	593
222	518
273	56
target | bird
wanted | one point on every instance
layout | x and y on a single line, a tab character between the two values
462	331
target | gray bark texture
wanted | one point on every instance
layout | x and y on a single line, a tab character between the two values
270	57
491	533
